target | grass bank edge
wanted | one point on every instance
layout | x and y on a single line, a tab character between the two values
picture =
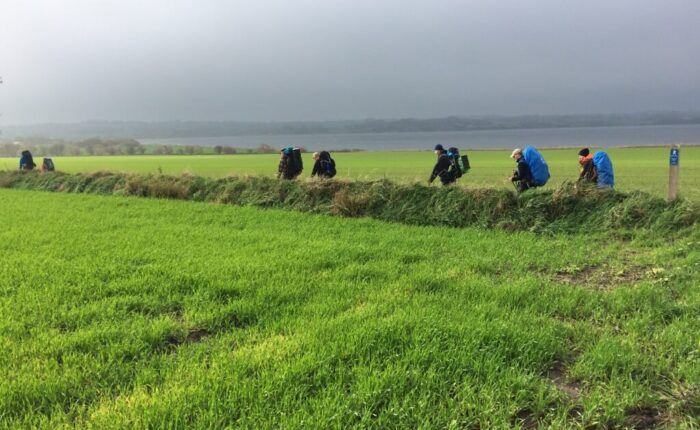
566	209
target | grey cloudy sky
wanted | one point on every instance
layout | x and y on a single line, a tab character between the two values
71	60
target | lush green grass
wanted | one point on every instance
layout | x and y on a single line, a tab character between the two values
133	313
643	169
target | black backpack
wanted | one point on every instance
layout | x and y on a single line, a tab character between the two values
47	165
458	164
26	162
327	164
298	162
294	163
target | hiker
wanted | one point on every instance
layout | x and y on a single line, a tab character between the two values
26	161
290	165
587	171
442	167
47	165
324	165
596	168
532	169
522	177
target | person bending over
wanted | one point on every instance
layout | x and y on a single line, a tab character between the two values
442	167
587	172
522	177
324	165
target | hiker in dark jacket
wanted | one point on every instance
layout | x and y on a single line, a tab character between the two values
522	177
324	165
587	171
442	167
26	161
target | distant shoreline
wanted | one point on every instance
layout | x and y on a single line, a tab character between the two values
370	133
464	149
561	137
212	129
543	138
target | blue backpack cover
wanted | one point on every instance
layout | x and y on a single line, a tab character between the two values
538	167
604	169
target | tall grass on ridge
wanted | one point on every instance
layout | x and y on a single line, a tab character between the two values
566	209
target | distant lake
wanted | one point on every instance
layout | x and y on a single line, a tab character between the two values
484	139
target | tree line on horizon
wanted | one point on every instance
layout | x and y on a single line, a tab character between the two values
42	147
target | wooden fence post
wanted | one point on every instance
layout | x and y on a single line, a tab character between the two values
673	172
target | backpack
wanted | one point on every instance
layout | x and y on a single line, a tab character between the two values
458	164
47	165
294	163
298	162
465	163
604	169
26	162
327	164
538	167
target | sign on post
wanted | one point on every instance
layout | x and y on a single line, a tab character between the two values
673	172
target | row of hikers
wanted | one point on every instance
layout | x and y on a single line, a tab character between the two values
291	164
532	170
26	162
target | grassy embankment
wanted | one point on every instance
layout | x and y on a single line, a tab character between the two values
567	209
644	169
122	312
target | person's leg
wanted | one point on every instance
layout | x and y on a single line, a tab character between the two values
447	182
523	186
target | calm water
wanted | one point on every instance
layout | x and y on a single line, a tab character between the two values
559	137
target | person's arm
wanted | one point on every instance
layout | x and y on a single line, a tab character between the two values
586	170
281	168
441	166
516	174
434	174
317	168
524	172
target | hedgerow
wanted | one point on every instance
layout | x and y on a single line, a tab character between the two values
567	209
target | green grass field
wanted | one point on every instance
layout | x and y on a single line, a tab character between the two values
137	313
635	168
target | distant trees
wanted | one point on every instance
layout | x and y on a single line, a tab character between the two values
9	150
219	149
55	148
266	149
162	150
229	150
42	147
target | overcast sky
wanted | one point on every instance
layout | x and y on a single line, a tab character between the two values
72	60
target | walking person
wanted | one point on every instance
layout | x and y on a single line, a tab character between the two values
442	167
290	165
26	161
324	165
